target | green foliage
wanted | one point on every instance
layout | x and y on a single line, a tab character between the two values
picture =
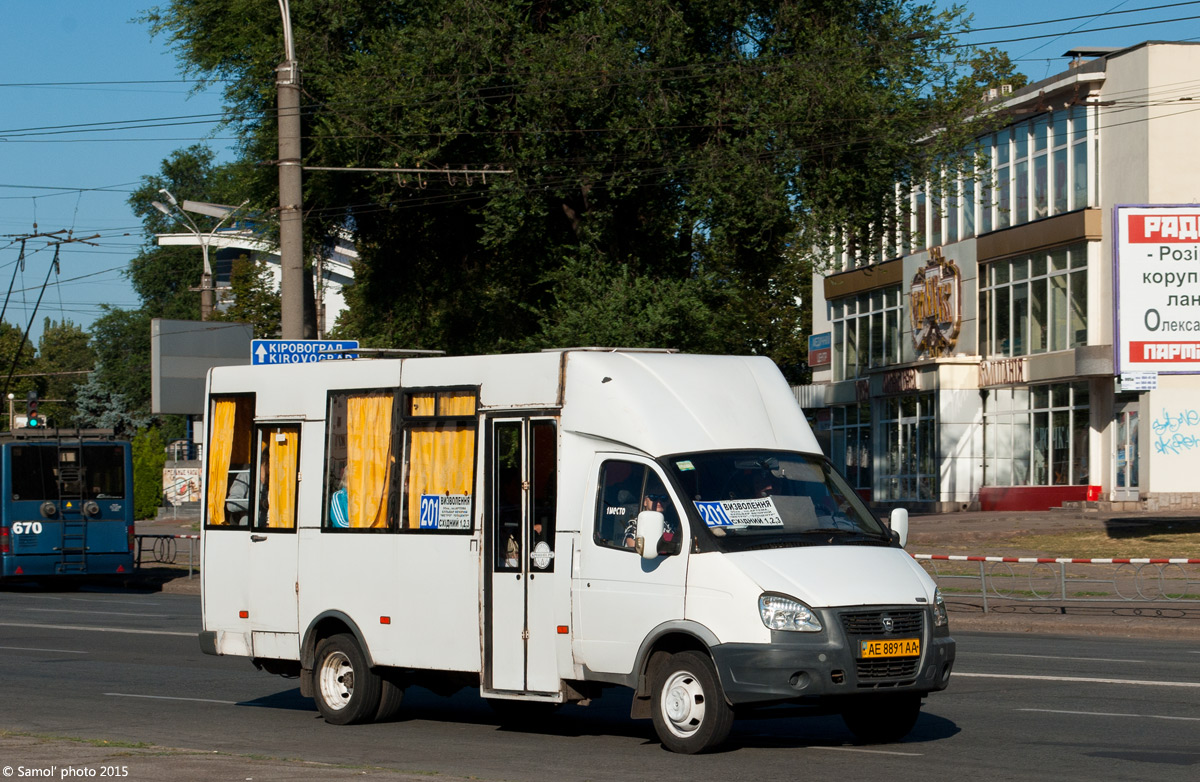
699	149
253	299
121	340
64	348
149	456
16	364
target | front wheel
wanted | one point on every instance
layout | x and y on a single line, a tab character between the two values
346	689
689	709
882	719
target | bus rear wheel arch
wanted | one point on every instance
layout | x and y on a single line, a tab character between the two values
347	691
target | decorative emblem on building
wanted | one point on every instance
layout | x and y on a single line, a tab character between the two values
935	306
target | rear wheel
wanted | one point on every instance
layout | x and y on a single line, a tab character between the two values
882	719
390	698
346	689
689	709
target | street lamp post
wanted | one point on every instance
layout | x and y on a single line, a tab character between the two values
207	289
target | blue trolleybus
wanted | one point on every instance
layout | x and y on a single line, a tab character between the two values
67	505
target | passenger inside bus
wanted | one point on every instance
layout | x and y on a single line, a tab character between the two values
339	504
237	498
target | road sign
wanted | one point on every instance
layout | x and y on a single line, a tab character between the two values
300	351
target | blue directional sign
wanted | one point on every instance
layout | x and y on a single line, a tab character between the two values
299	351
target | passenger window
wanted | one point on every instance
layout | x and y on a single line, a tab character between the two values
230	441
277	475
440	460
360	460
627	489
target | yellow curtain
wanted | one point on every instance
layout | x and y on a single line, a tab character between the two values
281	504
368	458
421	405
441	460
457	403
220	447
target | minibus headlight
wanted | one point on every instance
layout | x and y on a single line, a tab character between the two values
784	613
939	609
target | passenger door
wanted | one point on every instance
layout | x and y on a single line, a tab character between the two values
522	491
620	597
272	540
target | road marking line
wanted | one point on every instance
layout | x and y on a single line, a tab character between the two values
1056	657
1087	679
871	751
1115	714
96	629
170	698
95	613
54	651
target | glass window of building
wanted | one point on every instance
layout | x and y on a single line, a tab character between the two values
1033	303
1037	436
908	429
866	331
850	444
1032	169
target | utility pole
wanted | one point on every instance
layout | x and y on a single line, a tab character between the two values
291	227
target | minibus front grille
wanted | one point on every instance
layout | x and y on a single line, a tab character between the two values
870	671
874	623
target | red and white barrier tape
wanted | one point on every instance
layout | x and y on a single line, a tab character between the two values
1059	560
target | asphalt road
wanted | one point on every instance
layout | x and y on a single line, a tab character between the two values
126	668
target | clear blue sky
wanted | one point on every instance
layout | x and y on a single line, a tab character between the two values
71	65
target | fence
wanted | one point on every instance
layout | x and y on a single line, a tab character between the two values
1067	579
164	549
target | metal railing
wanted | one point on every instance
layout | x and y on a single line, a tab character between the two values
1042	579
164	550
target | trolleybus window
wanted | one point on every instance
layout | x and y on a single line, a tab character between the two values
48	472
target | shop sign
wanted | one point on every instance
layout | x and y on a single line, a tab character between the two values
901	381
820	350
935	306
1157	310
1003	372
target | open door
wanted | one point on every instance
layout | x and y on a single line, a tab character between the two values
521	635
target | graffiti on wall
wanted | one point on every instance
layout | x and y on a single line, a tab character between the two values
181	484
1177	431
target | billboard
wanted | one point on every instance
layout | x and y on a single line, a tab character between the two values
182	352
1156	257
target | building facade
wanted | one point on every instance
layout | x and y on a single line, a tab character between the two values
975	364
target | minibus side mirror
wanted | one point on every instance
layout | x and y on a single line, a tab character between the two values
650	528
899	525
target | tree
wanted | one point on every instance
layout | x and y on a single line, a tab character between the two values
149	456
163	277
15	364
253	298
697	148
63	353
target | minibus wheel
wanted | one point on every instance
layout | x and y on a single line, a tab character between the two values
881	719
688	707
391	696
346	689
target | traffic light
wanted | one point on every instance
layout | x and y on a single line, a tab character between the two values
32	419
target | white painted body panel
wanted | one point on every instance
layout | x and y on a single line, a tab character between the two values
598	606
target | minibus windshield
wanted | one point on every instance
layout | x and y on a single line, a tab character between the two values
773	499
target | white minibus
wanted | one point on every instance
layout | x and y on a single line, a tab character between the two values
546	526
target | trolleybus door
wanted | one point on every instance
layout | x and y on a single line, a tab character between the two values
522	464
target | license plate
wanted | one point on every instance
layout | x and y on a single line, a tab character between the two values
900	647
